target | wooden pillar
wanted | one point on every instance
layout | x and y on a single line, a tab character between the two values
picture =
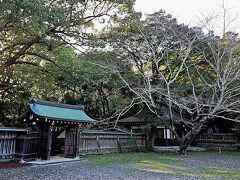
77	141
49	141
39	151
43	139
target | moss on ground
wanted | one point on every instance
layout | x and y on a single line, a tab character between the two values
130	158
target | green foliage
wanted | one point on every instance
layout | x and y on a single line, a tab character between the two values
37	59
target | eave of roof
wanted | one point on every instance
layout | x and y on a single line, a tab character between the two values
132	119
12	129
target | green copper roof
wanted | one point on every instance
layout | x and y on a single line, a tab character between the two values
57	111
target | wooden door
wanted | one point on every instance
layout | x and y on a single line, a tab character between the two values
71	142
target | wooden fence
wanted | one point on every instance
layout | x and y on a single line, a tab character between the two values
102	142
20	144
216	141
17	143
27	146
217	138
7	144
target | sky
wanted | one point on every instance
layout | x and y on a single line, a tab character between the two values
192	11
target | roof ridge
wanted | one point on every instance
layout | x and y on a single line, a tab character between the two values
56	104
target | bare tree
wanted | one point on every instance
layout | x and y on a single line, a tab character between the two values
181	68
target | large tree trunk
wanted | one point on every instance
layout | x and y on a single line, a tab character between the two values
150	137
185	143
186	140
183	149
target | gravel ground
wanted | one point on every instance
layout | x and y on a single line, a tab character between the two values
214	160
83	169
80	170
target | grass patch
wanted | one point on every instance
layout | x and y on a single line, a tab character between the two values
131	158
163	167
170	163
223	173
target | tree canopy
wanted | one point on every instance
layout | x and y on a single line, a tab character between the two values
38	58
179	67
53	50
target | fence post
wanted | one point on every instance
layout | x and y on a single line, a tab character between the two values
23	150
119	145
98	144
132	149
